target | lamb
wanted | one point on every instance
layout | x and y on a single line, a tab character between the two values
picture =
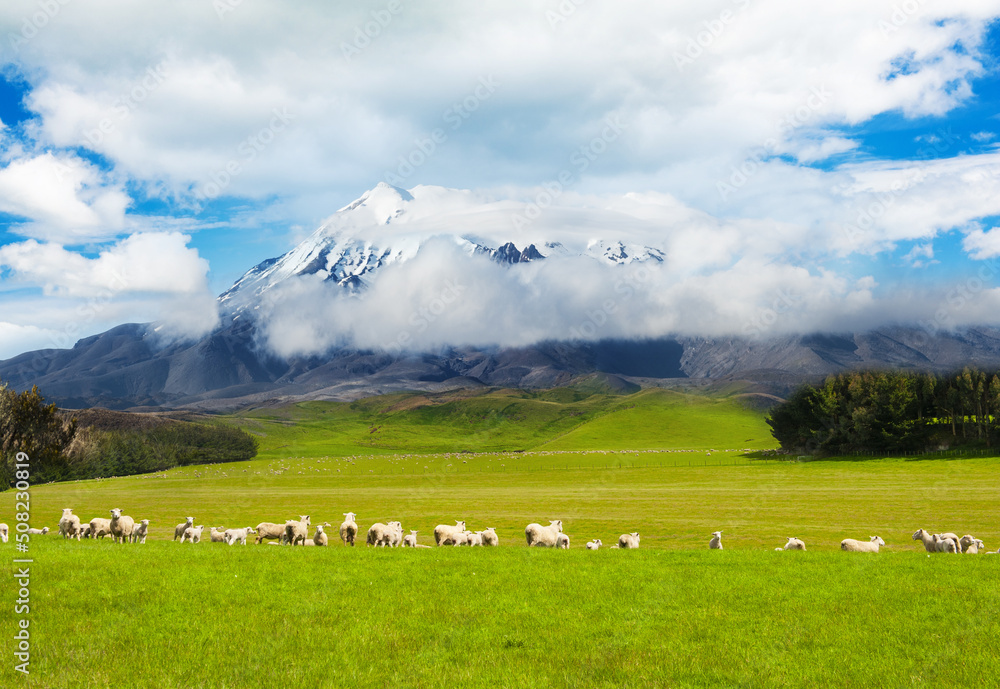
378	535
121	526
490	537
232	536
100	527
927	538
140	532
966	541
181	528
539	536
395	534
444	534
217	535
39	532
193	534
716	542
297	531
69	524
853	546
794	544
562	541
320	538
946	545
975	547
349	529
4	533
460	539
270	531
475	539
629	540
594	545
410	540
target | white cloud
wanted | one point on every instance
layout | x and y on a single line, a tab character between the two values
982	245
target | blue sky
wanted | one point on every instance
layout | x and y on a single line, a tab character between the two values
189	141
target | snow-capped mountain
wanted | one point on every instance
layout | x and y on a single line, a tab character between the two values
388	225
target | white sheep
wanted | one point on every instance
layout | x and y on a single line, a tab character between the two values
927	538
870	546
181	528
38	532
594	544
100	527
269	531
539	536
946	545
121	526
475	539
217	534
716	542
297	531
794	544
395	534
490	537
85	530
966	541
349	529
233	536
4	533
320	538
629	540
410	540
140	532
69	524
444	534
193	534
975	547
562	541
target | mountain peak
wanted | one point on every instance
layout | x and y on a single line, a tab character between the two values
384	200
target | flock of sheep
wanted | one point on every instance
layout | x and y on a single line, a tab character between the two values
125	529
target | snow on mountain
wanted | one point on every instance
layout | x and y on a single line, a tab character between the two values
388	225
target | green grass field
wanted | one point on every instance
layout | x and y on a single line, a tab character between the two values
670	614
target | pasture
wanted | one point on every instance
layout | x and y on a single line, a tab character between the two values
669	614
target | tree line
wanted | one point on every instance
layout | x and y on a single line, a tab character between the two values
887	411
61	450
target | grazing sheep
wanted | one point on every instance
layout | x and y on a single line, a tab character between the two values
181	528
192	534
4	533
927	538
410	540
100	527
69	524
539	536
140	532
794	544
594	544
217	535
320	538
853	546
270	531
629	540
444	534
39	532
562	541
490	537
349	529
121	526
946	545
232	536
716	542
297	531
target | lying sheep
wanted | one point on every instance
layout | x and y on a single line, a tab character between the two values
966	541
232	536
716	542
410	540
629	540
946	545
539	536
38	532
269	531
297	531
490	537
140	531
69	524
181	528
320	538
853	546
192	534
349	529
100	527
794	544
444	534
4	533
121	526
975	547
217	534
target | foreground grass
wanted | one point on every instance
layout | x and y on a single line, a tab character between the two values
167	615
